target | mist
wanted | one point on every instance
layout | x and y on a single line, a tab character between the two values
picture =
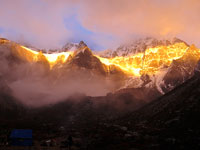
38	93
44	23
35	85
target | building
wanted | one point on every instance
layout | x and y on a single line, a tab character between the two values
21	137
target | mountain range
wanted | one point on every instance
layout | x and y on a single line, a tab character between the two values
83	66
101	105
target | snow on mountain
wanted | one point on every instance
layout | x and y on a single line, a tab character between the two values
73	46
162	81
138	46
105	53
165	80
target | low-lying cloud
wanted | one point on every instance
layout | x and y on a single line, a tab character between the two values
33	84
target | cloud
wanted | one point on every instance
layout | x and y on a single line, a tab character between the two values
125	18
42	22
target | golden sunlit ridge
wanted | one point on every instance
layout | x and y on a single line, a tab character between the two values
148	62
51	58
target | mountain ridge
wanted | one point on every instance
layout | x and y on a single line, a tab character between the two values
85	67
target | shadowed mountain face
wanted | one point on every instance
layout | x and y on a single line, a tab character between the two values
31	78
182	69
170	122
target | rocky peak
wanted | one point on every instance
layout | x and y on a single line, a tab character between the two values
177	40
70	46
84	58
83	52
73	46
140	45
82	44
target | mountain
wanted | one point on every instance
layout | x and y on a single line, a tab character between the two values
162	66
84	58
182	69
139	46
105	53
168	77
73	46
82	72
169	122
101	104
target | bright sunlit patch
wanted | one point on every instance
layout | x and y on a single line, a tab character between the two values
150	62
30	50
52	58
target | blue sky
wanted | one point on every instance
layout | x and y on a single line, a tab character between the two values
46	24
1	30
81	33
88	36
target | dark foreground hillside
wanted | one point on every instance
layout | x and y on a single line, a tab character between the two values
170	122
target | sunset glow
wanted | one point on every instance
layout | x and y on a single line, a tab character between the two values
148	62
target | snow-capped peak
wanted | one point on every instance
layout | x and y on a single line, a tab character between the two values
138	46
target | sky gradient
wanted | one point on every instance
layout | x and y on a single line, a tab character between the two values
101	24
